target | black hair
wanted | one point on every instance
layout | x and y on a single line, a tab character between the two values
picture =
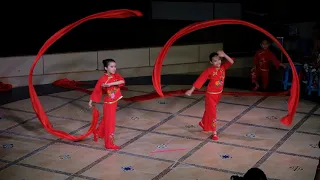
236	178
268	41
106	62
212	55
255	173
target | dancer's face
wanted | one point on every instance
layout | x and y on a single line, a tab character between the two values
216	61
265	44
112	67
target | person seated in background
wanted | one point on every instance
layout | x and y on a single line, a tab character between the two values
316	54
251	174
313	66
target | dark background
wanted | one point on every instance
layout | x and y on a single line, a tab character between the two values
25	26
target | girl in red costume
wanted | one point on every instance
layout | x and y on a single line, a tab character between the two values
261	68
110	84
216	75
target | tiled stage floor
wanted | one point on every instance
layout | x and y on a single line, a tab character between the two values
250	136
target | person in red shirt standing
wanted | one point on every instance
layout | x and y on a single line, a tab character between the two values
110	84
261	68
216	74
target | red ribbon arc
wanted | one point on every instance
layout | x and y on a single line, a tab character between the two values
75	85
124	13
295	88
41	114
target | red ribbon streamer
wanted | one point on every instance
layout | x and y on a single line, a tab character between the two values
5	87
295	88
293	101
65	83
71	84
122	13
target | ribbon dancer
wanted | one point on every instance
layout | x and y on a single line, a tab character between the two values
216	75
110	83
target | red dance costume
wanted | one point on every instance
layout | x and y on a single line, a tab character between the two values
254	75
107	126
262	66
213	94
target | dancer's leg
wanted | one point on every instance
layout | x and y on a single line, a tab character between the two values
109	114
210	114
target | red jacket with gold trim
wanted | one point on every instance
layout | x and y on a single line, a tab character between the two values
263	58
216	77
113	93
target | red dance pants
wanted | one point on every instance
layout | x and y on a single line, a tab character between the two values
254	76
209	119
107	125
264	76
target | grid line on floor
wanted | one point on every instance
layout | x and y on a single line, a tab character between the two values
149	110
50	110
198	117
47	169
52	142
223	102
179	136
154	158
204	142
135	138
160	133
193	98
143	109
39	149
286	137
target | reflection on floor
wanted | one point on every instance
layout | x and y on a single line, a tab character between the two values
249	128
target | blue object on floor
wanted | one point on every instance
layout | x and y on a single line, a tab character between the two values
127	168
134	118
162	102
65	157
287	74
7	146
189	126
162	146
251	135
314	146
296	168
271	117
225	156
